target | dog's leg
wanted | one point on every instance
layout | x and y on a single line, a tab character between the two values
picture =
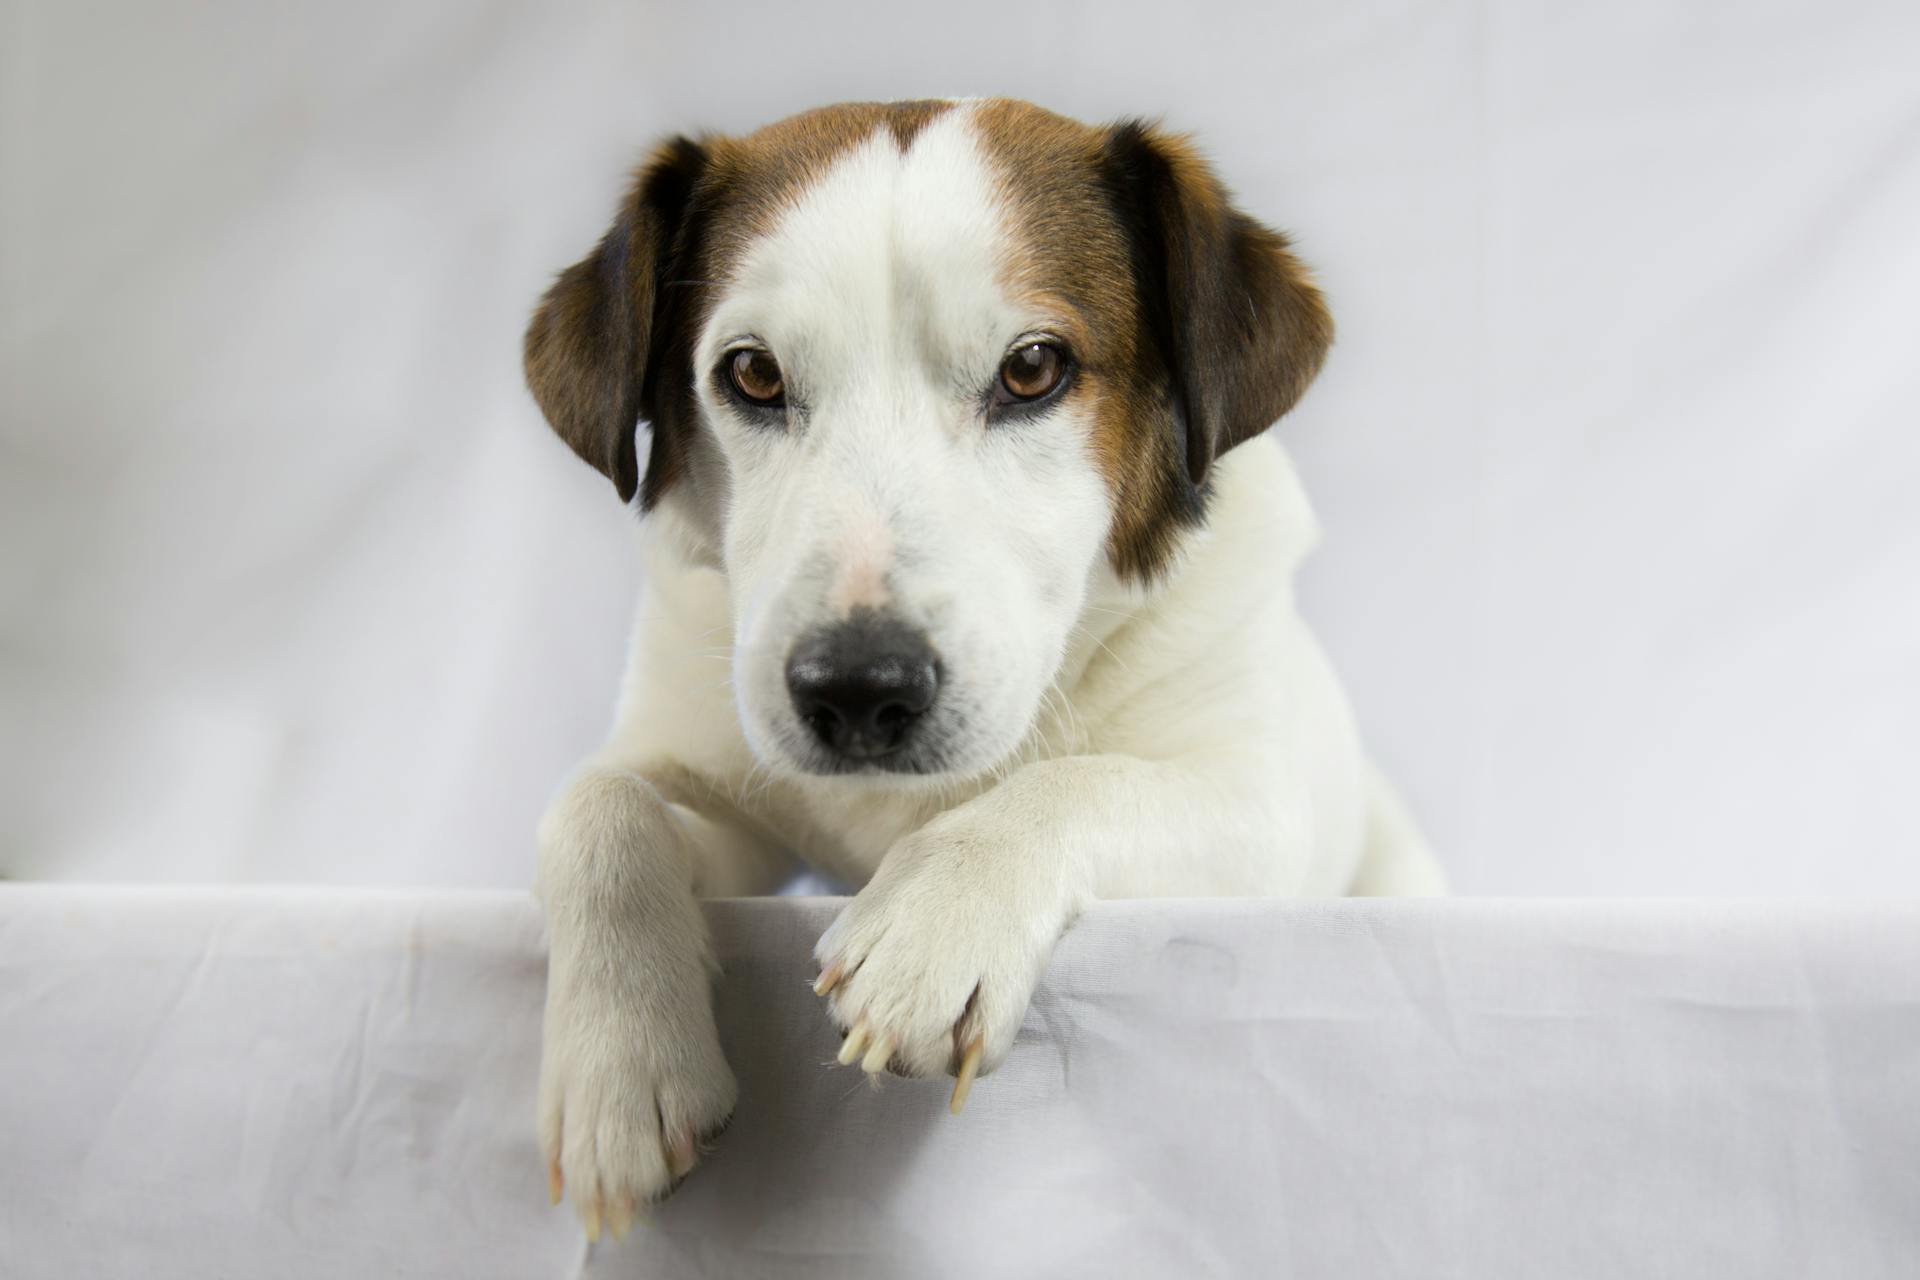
931	967
631	1074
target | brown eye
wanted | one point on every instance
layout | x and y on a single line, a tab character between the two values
1030	371
756	376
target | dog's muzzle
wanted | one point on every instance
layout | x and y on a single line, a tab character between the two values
861	685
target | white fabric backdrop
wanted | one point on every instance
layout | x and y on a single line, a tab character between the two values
1615	452
294	1084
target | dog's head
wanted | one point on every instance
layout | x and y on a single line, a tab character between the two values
915	375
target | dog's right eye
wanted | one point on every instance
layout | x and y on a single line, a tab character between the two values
755	374
1029	372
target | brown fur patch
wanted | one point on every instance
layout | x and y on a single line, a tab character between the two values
1197	327
1072	247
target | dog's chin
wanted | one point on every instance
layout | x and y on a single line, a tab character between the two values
902	768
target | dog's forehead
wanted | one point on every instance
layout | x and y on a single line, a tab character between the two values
940	199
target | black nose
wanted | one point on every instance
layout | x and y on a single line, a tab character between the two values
860	685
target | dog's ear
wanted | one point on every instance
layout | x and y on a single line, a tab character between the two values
597	345
1238	322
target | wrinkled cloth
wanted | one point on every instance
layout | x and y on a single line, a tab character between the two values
323	1083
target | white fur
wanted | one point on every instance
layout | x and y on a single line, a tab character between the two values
1188	740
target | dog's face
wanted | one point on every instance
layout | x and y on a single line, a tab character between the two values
916	374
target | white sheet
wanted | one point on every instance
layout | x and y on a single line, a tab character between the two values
292	1084
1615	451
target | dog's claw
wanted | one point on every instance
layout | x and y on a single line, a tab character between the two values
681	1156
829	978
876	1059
556	1185
963	1084
855	1042
620	1217
590	1219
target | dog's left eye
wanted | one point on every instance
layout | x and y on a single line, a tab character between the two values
1029	372
755	374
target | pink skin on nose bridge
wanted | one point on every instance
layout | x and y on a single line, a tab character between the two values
860	567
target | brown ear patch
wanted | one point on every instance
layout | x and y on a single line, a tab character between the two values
1248	328
1196	329
594	335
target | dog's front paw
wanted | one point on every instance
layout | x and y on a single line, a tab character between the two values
630	1092
930	968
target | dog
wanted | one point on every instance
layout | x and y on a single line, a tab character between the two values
967	579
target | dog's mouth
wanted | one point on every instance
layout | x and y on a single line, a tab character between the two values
910	763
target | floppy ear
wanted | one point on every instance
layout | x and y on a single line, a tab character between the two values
597	345
1240	325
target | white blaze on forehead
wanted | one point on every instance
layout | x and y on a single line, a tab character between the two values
886	260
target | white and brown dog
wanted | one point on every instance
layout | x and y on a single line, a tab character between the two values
952	460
